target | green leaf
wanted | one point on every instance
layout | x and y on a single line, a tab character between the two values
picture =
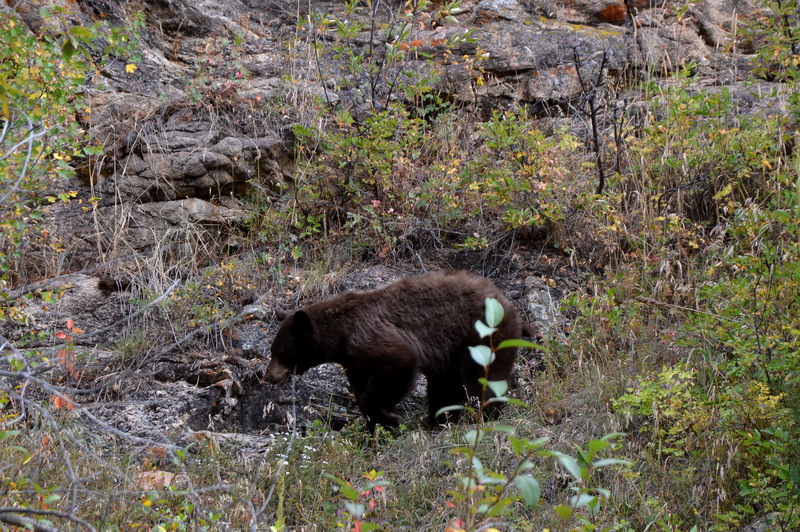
492	479
354	508
526	465
569	464
514	342
499	506
477	464
612	435
472	436
466	451
538	442
582	500
497	400
529	489
494	312
81	33
483	329
481	354
505	429
367	526
521	444
517	444
564	511
499	388
344	488
68	49
445	409
595	446
611	461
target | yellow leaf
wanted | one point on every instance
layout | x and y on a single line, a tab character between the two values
724	192
130	68
765	162
146	502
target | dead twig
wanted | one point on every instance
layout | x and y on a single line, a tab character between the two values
11	516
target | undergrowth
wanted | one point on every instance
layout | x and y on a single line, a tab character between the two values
684	333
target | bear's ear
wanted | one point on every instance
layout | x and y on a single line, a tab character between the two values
302	327
282	314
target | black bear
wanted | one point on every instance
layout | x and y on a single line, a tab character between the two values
382	338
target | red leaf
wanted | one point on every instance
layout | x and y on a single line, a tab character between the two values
70	323
60	335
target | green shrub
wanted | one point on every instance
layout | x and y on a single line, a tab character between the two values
39	79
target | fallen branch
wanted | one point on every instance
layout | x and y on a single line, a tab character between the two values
11	516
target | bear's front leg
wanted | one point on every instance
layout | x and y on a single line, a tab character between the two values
380	378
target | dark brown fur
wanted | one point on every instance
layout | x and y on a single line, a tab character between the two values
384	337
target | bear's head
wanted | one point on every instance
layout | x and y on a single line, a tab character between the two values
293	349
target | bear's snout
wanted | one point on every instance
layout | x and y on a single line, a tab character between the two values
277	374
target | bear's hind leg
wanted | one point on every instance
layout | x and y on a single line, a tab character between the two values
444	390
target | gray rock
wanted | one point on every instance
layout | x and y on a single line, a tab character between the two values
505	9
46	307
542	304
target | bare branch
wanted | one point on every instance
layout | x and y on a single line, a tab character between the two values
20	375
10	515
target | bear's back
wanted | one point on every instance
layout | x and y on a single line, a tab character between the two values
436	312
